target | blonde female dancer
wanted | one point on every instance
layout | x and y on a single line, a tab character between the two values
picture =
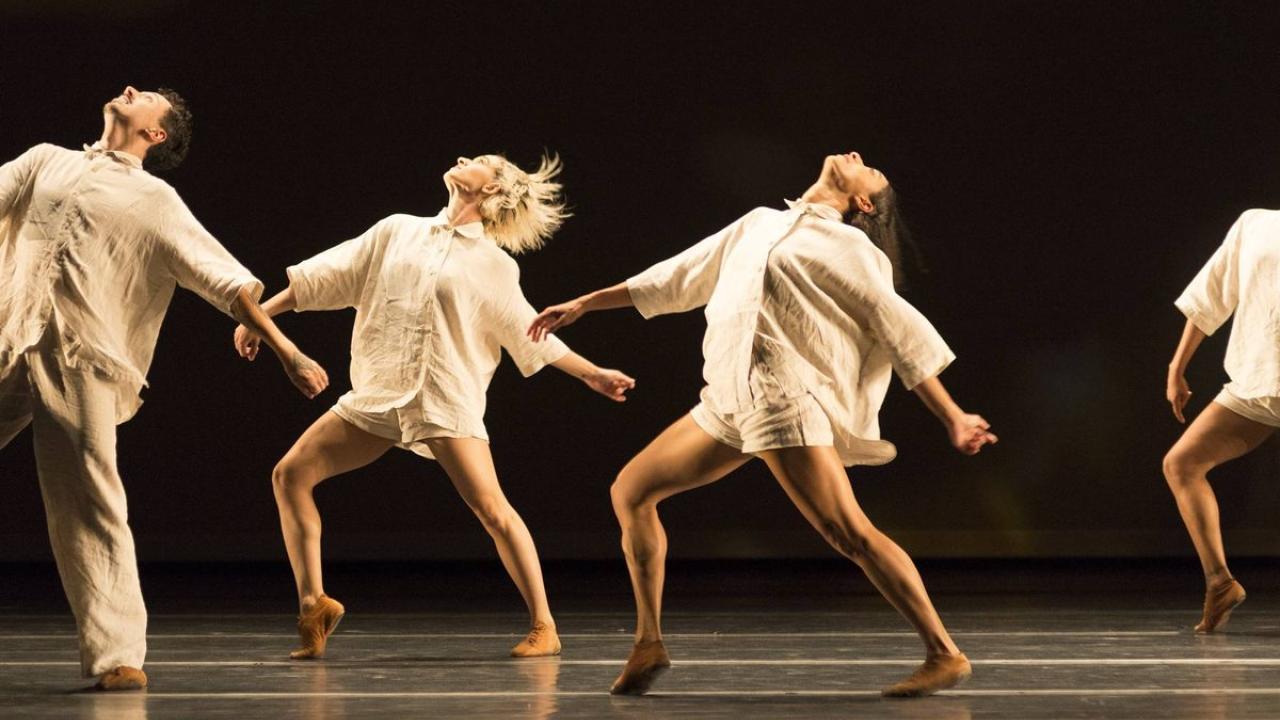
1240	278
803	326
436	299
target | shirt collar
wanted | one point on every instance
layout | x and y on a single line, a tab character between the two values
819	209
472	230
96	149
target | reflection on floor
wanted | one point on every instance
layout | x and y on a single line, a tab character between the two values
1080	655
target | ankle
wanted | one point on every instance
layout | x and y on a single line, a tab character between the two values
1217	578
309	601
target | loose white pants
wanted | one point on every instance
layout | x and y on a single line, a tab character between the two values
72	416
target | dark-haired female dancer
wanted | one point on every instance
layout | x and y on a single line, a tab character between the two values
803	327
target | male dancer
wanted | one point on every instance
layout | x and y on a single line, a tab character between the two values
91	246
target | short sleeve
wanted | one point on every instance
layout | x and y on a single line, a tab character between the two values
684	281
195	259
336	278
514	316
1213	294
865	291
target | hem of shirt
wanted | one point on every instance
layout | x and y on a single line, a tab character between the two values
301	287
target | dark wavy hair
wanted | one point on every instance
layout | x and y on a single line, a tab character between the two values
177	128
888	230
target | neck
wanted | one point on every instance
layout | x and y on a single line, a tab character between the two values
823	194
118	137
463	208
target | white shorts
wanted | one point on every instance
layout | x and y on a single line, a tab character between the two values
1265	410
794	422
388	424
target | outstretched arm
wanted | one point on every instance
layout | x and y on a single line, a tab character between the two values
248	341
305	374
558	316
609	383
1177	392
968	432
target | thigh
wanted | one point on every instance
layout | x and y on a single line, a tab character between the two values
816	481
681	458
1218	435
469	465
332	446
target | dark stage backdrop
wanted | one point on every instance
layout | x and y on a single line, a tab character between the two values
1067	168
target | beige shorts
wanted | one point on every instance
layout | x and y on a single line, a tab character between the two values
794	422
388	424
1265	410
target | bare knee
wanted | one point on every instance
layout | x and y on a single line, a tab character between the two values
289	476
850	542
1181	470
494	512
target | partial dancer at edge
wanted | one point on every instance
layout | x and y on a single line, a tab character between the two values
1240	278
436	301
91	247
803	325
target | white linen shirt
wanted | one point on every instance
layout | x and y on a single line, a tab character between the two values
435	305
812	300
93	245
1243	277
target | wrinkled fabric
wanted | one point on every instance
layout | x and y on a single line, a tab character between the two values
1243	277
93	245
72	414
809	298
435	306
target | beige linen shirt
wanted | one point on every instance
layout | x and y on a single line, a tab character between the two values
92	245
1243	277
435	305
812	300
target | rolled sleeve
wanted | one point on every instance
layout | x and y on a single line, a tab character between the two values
916	350
513	321
197	261
1213	294
335	278
684	281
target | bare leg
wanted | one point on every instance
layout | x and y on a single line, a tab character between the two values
470	466
681	458
816	482
1215	437
331	446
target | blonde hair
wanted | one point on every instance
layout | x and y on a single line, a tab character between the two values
527	209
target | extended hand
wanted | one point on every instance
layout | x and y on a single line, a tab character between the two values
611	384
305	374
247	342
555	317
1177	392
969	433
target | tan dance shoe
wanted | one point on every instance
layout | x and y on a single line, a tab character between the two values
648	660
121	678
315	626
937	673
1218	604
541	641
